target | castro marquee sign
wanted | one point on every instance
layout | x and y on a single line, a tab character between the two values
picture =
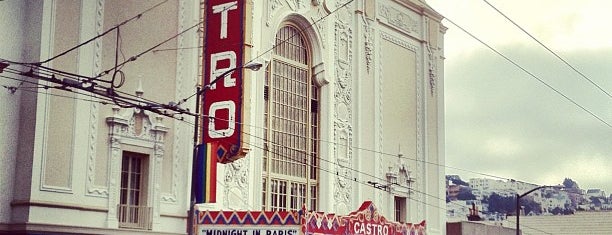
365	221
223	51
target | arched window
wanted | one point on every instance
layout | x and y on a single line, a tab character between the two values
291	152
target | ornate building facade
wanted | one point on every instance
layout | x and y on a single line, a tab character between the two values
348	108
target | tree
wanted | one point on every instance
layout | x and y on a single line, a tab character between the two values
569	183
530	206
557	211
465	193
503	205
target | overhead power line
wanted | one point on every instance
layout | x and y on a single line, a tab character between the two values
374	151
354	179
550	50
530	74
96	37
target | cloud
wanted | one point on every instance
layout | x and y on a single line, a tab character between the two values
503	122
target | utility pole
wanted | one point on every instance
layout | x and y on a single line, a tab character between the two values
518	206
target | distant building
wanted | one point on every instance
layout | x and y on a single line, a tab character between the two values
482	187
596	193
554	199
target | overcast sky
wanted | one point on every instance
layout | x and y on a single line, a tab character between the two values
503	122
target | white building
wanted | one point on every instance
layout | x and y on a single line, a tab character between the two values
484	187
556	199
596	193
354	84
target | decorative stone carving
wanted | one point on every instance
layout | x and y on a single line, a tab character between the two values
92	189
114	178
433	63
273	5
368	32
318	18
343	106
399	177
343	152
344	54
402	20
236	181
134	127
433	69
298	4
379	155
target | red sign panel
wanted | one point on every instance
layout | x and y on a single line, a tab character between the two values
223	54
365	221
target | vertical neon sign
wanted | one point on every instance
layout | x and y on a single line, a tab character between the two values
223	51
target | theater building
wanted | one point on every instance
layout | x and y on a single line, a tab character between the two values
347	108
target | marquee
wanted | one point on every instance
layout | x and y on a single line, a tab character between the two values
365	221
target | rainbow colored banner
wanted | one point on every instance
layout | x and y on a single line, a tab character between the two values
206	172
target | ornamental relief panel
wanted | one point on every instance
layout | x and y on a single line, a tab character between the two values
293	5
92	189
236	182
368	35
433	69
273	5
343	54
342	150
403	20
432	56
318	18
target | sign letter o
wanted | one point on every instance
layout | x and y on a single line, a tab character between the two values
231	108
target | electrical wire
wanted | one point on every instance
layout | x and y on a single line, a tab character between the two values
290	159
151	103
94	38
125	101
525	70
135	57
367	184
319	158
104	101
329	171
531	74
549	50
379	152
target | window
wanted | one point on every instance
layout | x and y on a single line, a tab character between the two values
400	209
133	210
291	150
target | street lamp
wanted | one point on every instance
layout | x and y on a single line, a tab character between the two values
518	206
254	66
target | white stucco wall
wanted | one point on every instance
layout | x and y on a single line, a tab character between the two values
11	22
